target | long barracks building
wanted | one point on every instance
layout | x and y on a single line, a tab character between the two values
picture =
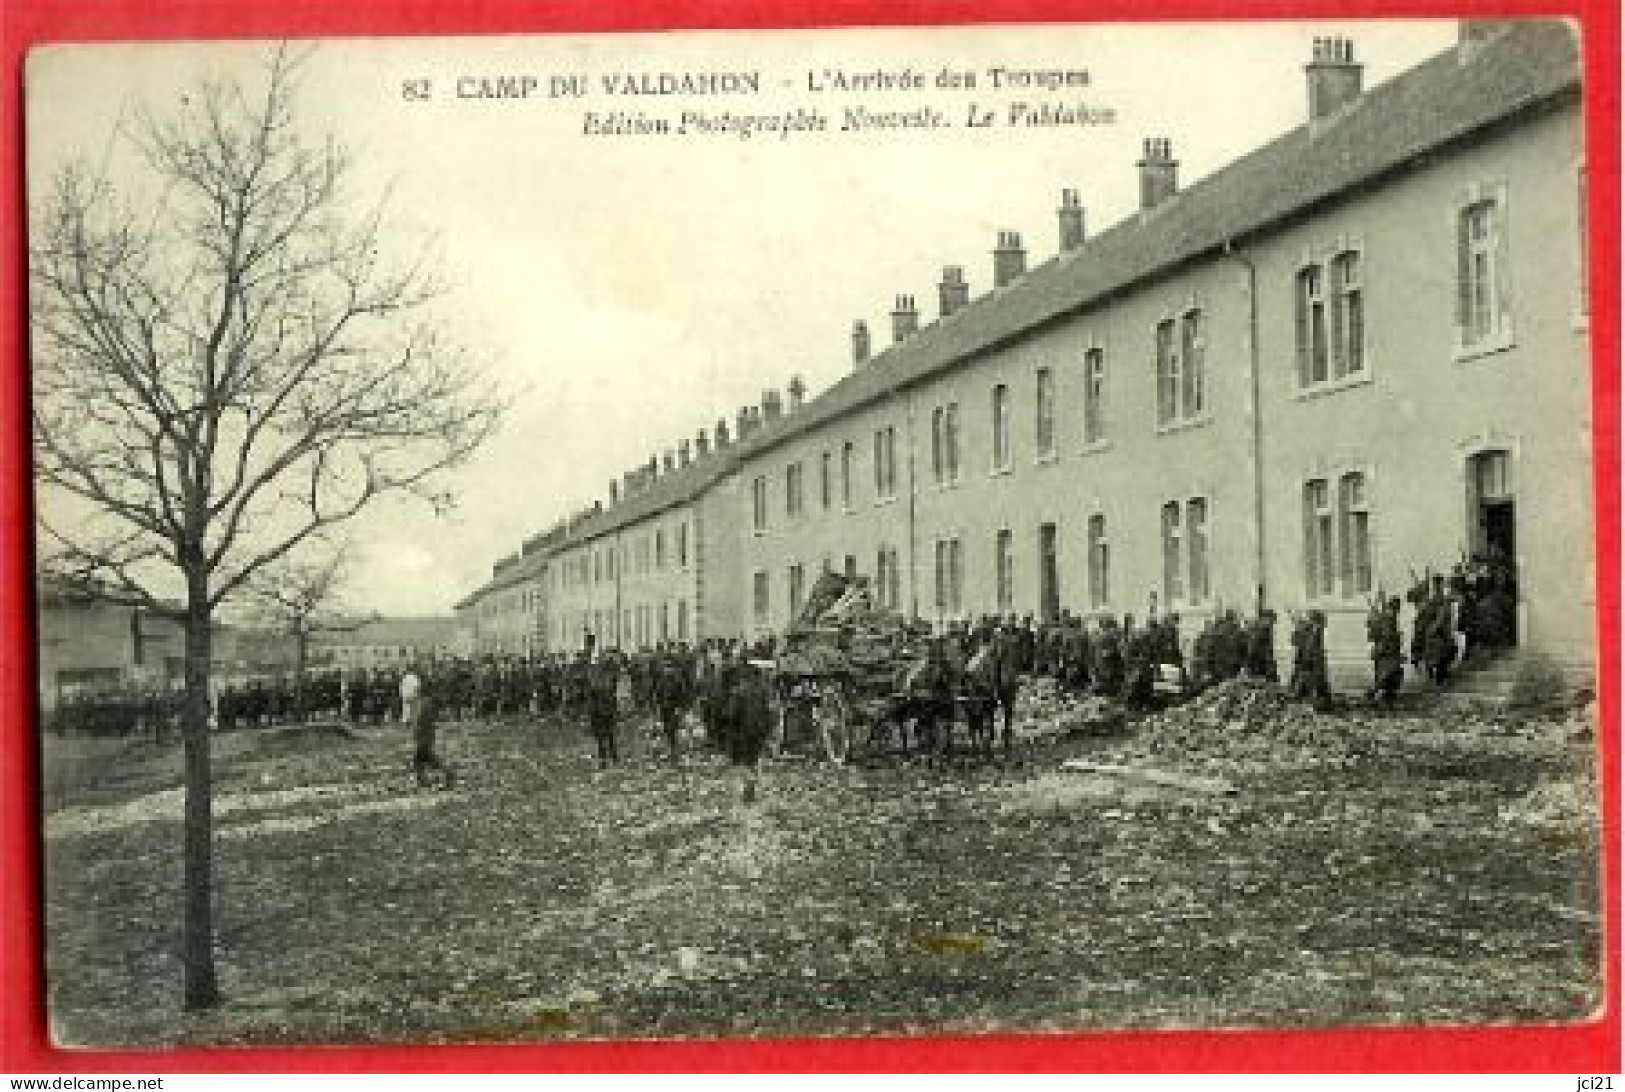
1354	353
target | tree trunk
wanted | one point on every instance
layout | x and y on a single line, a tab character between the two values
301	657
202	990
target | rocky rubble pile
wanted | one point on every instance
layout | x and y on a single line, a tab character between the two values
1246	721
1044	711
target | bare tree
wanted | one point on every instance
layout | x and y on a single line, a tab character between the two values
226	364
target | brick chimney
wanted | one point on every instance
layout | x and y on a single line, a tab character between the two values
953	292
702	444
742	422
1333	77
1159	173
721	433
668	460
772	406
1070	216
860	342
653	466
1009	259
682	453
798	393
630	482
905	319
614	492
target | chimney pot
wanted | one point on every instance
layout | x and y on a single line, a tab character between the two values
668	461
798	392
860	342
682	453
702	444
1159	173
905	320
1332	76
953	293
1070	216
721	433
1009	259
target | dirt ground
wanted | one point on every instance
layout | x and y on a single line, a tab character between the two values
1433	867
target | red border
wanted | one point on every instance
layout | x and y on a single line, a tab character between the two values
1592	1047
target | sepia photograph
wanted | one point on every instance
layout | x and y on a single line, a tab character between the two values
848	532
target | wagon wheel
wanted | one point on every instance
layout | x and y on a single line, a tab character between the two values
834	719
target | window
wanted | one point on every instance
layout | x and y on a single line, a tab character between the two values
682	545
1348	315
1354	520
939	453
1044	404
1311	327
1196	538
1167	374
1181	349
1481	303
760	597
950	577
1193	342
1172	585
1001	427
682	619
1005	573
1094	396
823	481
847	454
950	441
888	579
1099	563
1319	576
660	549
792	490
798	582
885	463
759	504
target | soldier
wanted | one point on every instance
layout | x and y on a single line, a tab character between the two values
747	720
1109	666
1203	671
1139	664
1007	648
602	678
1439	640
1309	675
1387	655
980	691
1260	646
671	695
425	713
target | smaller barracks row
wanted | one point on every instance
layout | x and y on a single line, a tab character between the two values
1353	355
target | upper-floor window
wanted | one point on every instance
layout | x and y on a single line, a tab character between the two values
1001	427
1094	396
660	549
1481	297
950	441
682	545
938	445
1330	320
848	454
886	462
758	499
1181	350
823	480
1311	326
1044	405
792	490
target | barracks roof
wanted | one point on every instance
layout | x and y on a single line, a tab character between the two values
1441	100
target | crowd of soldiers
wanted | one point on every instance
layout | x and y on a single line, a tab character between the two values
1458	616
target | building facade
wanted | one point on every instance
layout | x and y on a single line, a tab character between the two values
1349	358
1355	354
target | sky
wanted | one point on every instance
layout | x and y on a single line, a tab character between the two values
631	290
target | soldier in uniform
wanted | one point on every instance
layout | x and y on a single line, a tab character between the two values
748	719
1260	644
671	695
602	677
1387	653
1309	675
